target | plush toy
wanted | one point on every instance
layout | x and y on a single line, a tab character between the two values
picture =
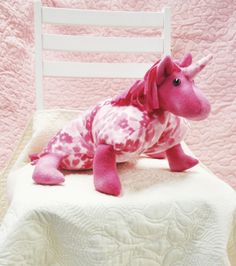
146	119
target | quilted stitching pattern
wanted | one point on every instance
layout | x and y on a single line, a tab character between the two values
163	218
164	235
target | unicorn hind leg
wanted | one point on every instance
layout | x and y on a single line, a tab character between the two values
46	170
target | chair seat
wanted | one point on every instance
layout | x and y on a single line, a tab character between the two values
161	218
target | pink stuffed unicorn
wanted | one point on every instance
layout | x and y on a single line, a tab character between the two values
146	119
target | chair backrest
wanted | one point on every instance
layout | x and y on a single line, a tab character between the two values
67	16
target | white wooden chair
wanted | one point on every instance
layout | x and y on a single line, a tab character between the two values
67	16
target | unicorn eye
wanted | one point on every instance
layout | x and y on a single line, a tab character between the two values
176	82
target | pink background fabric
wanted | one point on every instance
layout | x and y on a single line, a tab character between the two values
200	27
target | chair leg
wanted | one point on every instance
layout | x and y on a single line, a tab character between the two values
46	170
106	179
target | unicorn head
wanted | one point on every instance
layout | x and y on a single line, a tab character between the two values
170	86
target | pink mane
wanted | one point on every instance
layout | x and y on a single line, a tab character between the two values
133	96
143	93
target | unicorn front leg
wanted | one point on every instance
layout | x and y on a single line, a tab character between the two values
178	160
106	179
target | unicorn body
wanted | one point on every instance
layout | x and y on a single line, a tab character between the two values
148	118
129	130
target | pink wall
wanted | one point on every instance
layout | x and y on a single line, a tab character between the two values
201	27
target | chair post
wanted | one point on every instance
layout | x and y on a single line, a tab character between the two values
38	54
167	31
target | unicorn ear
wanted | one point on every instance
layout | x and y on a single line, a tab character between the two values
154	77
165	68
186	61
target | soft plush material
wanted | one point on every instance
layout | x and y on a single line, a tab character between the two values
126	128
147	118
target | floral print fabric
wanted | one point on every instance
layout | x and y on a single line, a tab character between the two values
129	130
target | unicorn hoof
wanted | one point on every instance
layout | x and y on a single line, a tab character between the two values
178	160
48	177
186	164
110	188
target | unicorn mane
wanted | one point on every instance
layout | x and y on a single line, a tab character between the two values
133	96
141	94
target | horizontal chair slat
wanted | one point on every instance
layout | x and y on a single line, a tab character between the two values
95	70
101	18
101	44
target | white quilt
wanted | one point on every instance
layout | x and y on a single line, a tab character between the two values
161	218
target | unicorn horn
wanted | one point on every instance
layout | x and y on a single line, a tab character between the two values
192	70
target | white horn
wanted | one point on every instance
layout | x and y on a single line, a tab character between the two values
192	70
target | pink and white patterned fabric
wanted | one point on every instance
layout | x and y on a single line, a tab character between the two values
128	129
